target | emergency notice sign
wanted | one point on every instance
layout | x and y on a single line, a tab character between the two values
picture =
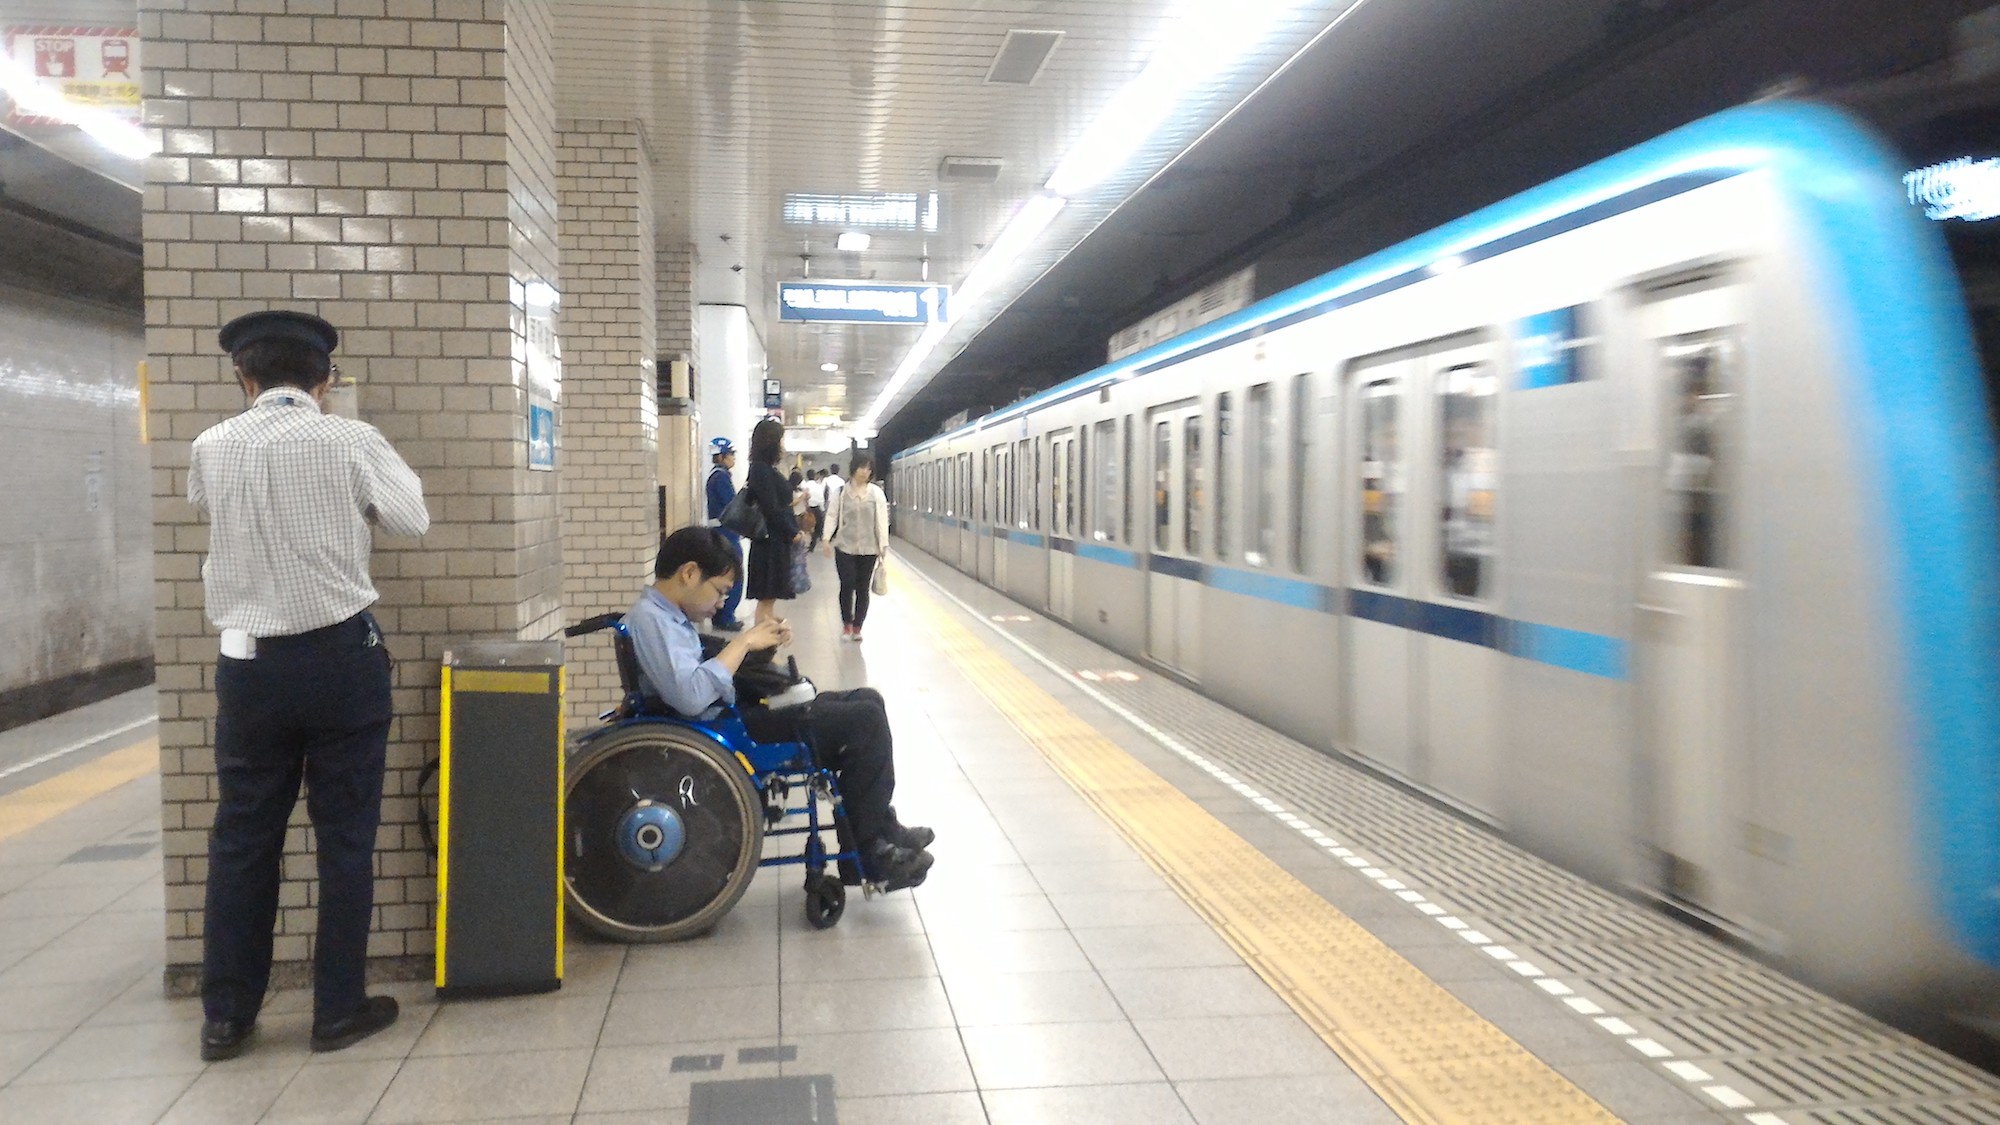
96	67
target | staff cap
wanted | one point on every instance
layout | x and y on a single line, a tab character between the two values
278	324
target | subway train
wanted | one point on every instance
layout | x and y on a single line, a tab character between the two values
1648	516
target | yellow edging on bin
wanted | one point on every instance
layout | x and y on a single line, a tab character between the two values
562	812
1431	1058
444	810
516	683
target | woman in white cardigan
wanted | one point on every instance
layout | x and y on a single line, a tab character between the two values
857	536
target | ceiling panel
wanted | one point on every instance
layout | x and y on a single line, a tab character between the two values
745	102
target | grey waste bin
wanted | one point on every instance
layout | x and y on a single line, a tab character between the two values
500	797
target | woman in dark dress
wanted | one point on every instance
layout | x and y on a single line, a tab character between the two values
769	580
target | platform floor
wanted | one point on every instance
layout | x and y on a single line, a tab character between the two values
1144	909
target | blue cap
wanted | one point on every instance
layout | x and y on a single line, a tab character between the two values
720	447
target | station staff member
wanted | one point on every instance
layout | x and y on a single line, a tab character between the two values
302	686
721	490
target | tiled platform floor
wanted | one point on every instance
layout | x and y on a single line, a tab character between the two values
1046	974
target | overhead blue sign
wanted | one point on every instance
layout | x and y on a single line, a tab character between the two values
862	302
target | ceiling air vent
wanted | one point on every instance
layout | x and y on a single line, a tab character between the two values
969	169
1022	56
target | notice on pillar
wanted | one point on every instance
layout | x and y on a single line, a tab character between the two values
86	67
544	363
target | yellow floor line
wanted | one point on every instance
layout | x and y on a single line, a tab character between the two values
1431	1058
46	800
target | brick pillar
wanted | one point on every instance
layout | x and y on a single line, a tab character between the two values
396	176
610	418
684	462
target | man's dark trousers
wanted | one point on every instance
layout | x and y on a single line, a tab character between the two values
314	706
850	735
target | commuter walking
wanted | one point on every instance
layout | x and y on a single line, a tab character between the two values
770	578
816	500
721	490
302	685
833	486
858	538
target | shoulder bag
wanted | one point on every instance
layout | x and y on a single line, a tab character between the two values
744	517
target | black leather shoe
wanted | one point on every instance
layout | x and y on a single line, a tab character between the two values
375	1013
225	1039
903	836
898	868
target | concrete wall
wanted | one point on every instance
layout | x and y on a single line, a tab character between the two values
76	535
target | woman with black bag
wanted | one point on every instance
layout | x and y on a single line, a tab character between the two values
770	577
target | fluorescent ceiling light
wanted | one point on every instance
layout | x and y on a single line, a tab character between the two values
853	241
829	367
1020	232
111	131
1202	38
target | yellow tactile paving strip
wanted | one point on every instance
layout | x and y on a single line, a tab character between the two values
1431	1058
46	800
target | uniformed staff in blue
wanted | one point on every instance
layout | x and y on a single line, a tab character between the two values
721	490
302	686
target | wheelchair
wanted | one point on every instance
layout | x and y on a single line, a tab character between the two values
666	816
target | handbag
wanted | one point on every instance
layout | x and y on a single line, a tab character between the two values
801	581
879	585
744	517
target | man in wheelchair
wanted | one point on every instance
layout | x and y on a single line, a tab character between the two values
849	730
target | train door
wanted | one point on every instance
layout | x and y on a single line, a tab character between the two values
1455	475
1003	511
1693	609
1381	703
967	535
1173	579
1062	522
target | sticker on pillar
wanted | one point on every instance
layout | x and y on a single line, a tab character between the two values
540	301
541	437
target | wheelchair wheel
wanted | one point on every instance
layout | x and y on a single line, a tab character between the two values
664	831
826	900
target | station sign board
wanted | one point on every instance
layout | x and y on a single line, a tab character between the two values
863	302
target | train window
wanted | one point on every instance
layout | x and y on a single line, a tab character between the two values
1079	512
1225	444
1163	467
1260	477
986	486
1105	509
1469	474
965	484
1069	487
1193	482
1036	501
1698	373
1381	478
1302	465
1125	493
1024	488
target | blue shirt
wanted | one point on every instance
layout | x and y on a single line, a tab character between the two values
669	650
721	490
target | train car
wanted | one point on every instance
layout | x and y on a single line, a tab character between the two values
1649	517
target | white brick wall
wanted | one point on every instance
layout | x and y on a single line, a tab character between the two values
610	418
391	167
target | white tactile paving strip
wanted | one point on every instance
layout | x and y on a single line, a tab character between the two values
1756	1046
